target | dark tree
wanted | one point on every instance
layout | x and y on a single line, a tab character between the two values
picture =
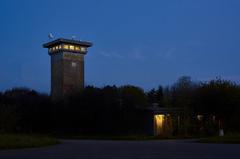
132	97
220	98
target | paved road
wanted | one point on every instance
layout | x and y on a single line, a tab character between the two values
89	149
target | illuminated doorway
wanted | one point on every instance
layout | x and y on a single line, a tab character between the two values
159	121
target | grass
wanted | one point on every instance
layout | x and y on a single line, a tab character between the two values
14	141
227	139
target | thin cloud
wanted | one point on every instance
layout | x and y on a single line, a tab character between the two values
169	54
137	54
105	54
111	55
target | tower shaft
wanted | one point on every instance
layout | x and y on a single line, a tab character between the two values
67	66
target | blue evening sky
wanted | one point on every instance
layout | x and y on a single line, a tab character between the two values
140	42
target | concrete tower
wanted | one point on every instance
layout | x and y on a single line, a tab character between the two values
67	65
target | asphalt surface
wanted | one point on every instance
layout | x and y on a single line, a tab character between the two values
90	149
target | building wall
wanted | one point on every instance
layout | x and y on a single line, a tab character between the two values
67	73
56	75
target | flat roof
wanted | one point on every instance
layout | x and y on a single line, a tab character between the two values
67	41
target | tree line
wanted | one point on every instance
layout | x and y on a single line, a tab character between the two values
114	110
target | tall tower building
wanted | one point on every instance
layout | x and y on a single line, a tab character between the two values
67	65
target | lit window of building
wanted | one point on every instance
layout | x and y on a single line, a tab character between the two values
74	64
200	117
53	49
65	47
71	47
56	47
77	48
83	49
60	46
159	120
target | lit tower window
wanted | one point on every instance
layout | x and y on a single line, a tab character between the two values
71	47
65	46
83	49
77	48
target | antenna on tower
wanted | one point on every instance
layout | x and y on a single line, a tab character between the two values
50	36
73	37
